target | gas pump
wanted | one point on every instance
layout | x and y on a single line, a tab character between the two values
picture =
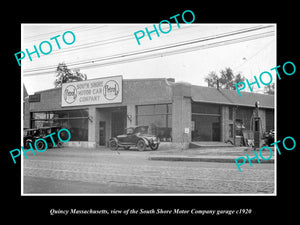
257	126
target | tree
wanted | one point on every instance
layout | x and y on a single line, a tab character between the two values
227	79
269	89
65	75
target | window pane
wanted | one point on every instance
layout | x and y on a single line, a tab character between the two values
231	130
160	109
170	108
157	125
78	129
207	128
39	115
145	110
62	114
230	112
169	120
205	108
244	114
78	113
158	118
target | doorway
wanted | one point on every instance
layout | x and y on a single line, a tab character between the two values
206	120
207	128
102	133
118	122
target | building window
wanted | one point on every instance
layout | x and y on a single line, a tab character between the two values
76	121
206	109
158	118
239	127
230	112
230	130
206	119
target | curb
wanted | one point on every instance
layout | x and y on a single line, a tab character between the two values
203	159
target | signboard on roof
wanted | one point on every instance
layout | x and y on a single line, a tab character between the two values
105	90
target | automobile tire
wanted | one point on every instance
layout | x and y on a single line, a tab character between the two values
59	144
50	145
27	144
154	146
113	145
141	145
40	145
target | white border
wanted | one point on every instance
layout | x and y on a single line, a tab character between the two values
150	194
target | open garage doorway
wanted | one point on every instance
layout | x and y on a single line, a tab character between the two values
206	122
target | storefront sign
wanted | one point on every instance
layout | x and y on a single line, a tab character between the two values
90	92
34	98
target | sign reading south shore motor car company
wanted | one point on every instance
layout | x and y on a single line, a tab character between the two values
90	92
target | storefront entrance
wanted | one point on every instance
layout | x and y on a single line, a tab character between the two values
102	133
206	128
206	122
118	122
111	122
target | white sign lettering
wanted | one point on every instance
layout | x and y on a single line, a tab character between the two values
90	92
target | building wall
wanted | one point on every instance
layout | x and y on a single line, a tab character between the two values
139	92
181	114
225	122
26	114
135	92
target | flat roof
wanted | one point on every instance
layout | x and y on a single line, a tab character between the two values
230	97
214	95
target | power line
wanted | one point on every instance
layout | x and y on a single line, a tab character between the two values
155	55
123	58
92	44
255	54
245	30
80	29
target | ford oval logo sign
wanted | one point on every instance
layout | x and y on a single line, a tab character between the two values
70	94
111	90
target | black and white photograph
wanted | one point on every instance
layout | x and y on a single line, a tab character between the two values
150	109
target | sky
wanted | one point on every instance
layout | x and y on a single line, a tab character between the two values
187	53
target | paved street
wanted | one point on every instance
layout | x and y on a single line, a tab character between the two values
89	171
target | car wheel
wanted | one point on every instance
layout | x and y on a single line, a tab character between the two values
154	146
141	145
40	145
113	145
50	145
27	144
59	144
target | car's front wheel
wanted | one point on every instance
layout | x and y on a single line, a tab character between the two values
40	145
113	145
154	146
141	145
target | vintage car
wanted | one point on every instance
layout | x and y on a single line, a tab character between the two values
31	135
137	136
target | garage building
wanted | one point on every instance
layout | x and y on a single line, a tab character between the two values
178	113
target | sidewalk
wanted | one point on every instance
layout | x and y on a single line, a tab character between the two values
224	155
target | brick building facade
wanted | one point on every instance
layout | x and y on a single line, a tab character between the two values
179	113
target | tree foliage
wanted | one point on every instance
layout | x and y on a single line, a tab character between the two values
226	80
66	75
269	89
